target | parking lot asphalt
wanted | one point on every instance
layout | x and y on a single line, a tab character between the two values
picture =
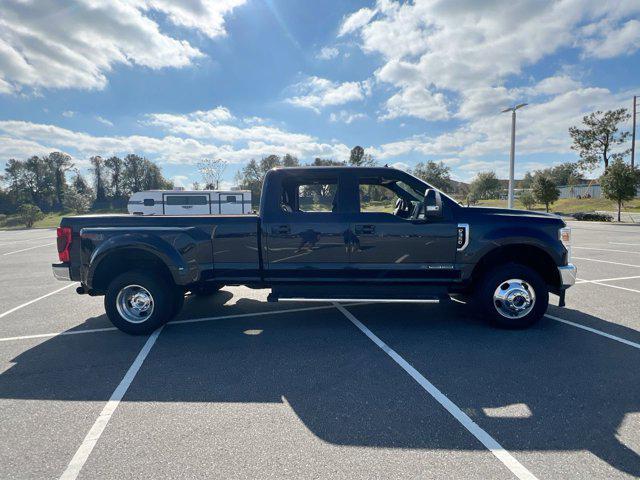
239	388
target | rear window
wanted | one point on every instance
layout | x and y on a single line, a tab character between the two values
186	200
149	202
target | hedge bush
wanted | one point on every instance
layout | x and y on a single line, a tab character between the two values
592	217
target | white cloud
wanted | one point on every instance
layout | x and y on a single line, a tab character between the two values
418	102
460	49
356	20
181	181
207	16
346	117
316	93
611	41
185	138
75	44
68	113
327	53
103	121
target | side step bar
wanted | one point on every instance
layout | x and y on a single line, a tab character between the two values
360	300
274	297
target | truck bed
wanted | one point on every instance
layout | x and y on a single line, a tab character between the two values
219	247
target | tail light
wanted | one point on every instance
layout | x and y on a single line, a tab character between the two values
64	243
565	238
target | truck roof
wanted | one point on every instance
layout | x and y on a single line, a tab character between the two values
371	170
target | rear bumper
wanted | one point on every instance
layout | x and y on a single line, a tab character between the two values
568	275
61	271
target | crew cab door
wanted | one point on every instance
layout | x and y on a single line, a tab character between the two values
305	227
390	245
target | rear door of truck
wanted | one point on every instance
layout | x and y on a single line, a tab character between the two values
306	228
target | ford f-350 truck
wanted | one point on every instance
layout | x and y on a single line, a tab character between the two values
323	234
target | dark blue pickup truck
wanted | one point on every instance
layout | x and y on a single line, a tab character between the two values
324	234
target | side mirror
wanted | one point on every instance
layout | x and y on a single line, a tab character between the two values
432	204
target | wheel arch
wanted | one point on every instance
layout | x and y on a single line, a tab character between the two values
529	255
125	259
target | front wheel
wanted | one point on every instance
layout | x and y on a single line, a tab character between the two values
138	303
513	296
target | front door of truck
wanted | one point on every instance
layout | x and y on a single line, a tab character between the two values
390	245
307	233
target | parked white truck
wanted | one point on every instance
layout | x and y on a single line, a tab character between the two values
190	202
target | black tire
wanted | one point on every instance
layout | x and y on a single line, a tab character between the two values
163	301
498	278
205	290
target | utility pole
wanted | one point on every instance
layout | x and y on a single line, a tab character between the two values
633	133
512	157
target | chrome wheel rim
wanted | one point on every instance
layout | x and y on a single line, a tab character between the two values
135	303
514	298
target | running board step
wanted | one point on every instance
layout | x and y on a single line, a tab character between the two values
357	293
354	300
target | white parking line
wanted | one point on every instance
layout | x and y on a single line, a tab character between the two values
593	330
630	244
174	322
487	440
30	248
605	250
85	449
606	261
583	280
614	286
35	300
13	242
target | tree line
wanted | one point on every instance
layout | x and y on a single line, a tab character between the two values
52	183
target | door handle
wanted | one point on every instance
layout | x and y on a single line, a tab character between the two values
281	230
365	229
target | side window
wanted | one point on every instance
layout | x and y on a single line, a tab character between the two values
310	195
177	200
149	202
387	195
376	197
198	200
187	200
231	199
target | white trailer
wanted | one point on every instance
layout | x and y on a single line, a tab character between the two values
190	202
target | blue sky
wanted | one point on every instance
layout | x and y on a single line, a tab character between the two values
239	79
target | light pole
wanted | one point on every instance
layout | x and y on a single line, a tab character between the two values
513	150
633	134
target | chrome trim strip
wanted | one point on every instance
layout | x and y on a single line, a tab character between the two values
568	274
367	300
61	272
467	230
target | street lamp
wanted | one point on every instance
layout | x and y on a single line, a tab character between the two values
513	150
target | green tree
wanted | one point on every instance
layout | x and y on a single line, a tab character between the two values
80	185
358	158
620	182
485	185
133	174
60	164
99	178
528	200
290	161
116	167
29	214
545	191
435	174
599	138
